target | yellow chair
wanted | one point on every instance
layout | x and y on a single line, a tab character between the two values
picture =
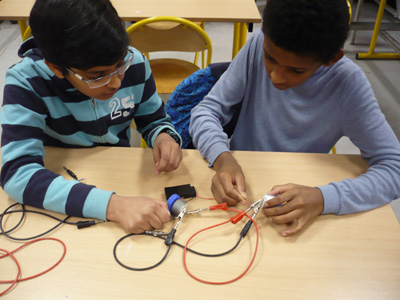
161	34
350	10
27	34
168	25
377	31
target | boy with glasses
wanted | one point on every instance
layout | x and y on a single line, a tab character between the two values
298	93
79	84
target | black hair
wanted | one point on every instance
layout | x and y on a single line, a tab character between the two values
317	28
79	34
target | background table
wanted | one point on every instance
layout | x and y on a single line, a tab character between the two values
336	257
239	12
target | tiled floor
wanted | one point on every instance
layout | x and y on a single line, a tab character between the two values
383	75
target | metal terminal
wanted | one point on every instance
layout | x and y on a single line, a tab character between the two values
197	211
254	206
258	205
170	238
156	233
180	216
257	208
268	197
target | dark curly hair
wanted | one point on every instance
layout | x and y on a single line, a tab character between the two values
79	34
316	28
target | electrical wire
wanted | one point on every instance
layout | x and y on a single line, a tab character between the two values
23	210
197	196
167	251
17	279
243	233
13	282
83	224
145	268
187	249
10	210
16	226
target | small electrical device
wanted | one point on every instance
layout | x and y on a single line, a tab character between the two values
184	191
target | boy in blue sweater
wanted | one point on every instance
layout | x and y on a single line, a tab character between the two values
298	93
79	84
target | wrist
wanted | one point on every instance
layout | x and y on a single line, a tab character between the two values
112	207
172	134
222	159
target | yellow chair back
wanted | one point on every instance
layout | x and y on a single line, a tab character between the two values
170	34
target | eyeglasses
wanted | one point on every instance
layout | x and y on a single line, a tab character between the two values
102	81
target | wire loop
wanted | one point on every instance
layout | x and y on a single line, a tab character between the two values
17	279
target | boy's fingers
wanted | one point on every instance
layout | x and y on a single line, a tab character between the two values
220	194
161	159
233	195
243	200
236	196
279	189
162	163
175	159
241	188
162	213
299	226
156	154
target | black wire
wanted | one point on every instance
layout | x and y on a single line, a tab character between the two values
19	222
166	253
145	268
212	255
24	211
64	221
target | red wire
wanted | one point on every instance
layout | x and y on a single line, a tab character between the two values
213	198
220	282
17	279
13	282
204	198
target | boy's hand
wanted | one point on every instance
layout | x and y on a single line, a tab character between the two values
297	203
167	153
137	214
229	174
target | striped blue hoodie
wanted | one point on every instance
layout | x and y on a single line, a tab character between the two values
40	109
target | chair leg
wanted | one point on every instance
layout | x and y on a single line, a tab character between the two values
356	18
143	143
196	57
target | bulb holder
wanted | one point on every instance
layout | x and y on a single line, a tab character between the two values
175	205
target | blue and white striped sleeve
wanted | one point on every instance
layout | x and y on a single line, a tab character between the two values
23	175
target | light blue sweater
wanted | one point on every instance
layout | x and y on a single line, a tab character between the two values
335	101
40	109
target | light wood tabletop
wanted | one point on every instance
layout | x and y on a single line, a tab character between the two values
336	257
239	12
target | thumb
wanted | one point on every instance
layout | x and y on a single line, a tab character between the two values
241	188
279	189
156	157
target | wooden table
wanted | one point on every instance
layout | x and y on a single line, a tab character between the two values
336	257
239	12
